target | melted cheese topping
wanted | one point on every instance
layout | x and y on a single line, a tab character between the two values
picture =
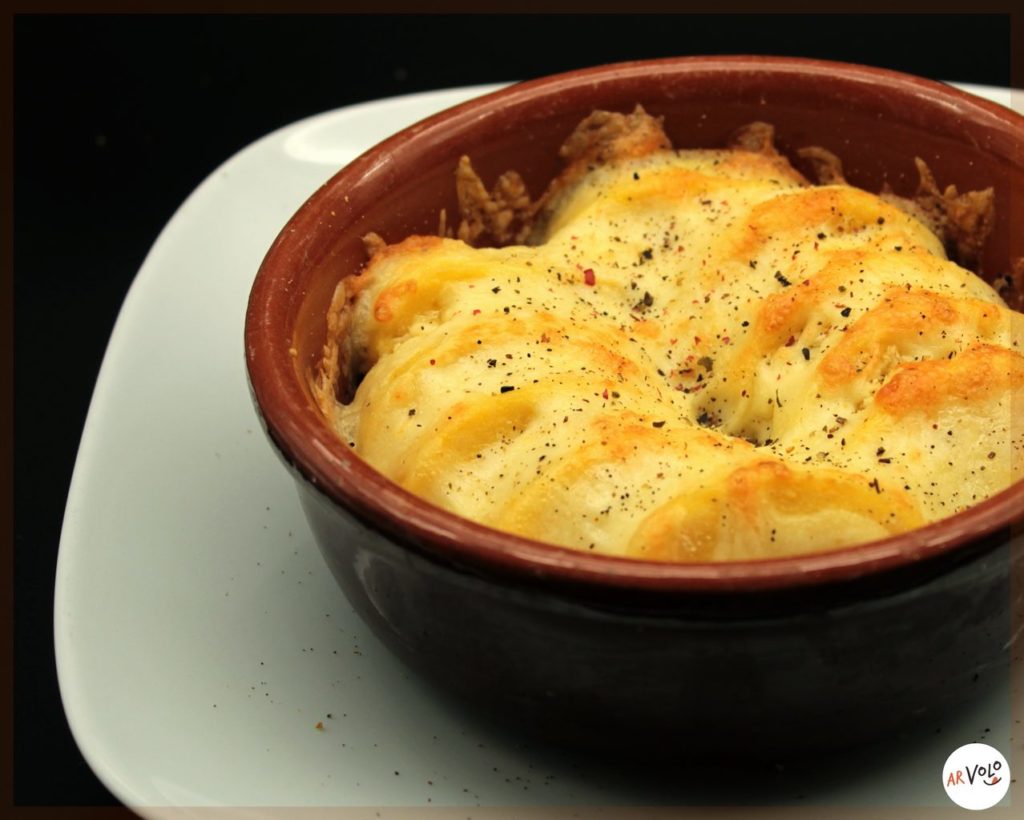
703	358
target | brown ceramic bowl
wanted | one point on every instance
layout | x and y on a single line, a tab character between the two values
762	659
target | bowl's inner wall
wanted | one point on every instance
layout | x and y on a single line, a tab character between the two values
874	127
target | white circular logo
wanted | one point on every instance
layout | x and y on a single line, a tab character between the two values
976	776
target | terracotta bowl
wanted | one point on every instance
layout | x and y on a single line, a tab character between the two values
764	659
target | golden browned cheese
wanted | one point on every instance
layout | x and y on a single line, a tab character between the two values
701	357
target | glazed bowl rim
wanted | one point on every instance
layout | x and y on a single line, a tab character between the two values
319	457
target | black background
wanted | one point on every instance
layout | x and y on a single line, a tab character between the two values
117	119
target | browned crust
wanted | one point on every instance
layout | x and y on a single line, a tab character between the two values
966	219
505	214
756	137
1010	285
501	213
328	386
827	167
604	136
861	352
374	243
979	373
686	528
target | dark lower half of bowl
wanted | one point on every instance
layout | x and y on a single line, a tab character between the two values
768	676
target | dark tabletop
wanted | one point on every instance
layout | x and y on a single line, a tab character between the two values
117	119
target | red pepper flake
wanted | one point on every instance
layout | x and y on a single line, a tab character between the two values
790	341
433	361
604	395
696	340
725	340
319	726
589	278
476	312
